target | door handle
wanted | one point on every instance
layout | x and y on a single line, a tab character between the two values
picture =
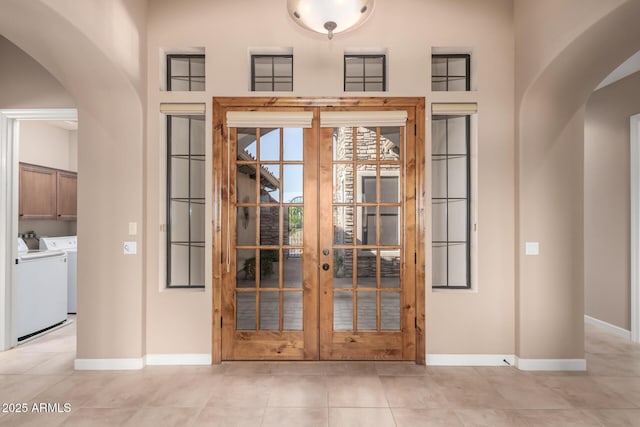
325	266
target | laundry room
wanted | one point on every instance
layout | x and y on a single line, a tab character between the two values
47	215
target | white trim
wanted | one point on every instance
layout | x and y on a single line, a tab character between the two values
470	359
178	359
64	114
334	119
269	119
607	327
635	226
551	364
108	364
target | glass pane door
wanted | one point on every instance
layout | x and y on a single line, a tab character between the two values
363	184
268	178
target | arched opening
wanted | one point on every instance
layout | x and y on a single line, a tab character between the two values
104	77
551	187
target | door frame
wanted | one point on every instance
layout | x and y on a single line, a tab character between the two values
220	136
634	150
9	159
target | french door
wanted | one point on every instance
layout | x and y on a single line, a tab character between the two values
317	250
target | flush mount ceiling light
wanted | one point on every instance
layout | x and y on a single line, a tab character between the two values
329	16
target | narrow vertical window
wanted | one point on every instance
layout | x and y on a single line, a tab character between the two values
271	73
451	72
365	73
451	204
185	73
185	201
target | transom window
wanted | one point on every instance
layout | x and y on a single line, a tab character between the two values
185	72
451	204
451	72
185	201
272	73
365	73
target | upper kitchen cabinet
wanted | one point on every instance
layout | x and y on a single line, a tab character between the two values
67	195
47	193
37	192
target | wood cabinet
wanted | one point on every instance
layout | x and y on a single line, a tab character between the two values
47	193
67	185
37	192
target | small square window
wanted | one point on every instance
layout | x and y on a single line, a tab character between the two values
271	73
185	73
365	73
451	72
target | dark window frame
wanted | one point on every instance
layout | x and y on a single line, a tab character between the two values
446	199
448	76
273	72
190	243
364	74
188	77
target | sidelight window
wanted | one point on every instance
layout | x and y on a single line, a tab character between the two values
185	201
451	202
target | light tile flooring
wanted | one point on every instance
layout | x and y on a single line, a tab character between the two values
321	394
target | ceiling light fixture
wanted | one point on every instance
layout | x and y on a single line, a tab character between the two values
329	16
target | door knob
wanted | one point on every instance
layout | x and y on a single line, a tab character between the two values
325	252
325	266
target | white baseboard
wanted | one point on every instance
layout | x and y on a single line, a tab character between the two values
607	327
551	364
108	364
470	359
178	359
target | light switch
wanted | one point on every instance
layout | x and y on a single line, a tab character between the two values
130	248
133	228
532	248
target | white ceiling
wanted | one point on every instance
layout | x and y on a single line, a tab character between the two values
625	69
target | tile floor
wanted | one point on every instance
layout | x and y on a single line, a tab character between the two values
321	394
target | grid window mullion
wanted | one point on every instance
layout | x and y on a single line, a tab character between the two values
442	80
270	79
188	241
445	199
189	77
366	81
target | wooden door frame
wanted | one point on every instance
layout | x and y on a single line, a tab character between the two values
222	104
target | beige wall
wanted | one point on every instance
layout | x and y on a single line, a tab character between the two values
93	50
563	52
125	311
48	145
228	33
26	84
606	201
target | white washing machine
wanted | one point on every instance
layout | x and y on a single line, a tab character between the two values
68	244
40	291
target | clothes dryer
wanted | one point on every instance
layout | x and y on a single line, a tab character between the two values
68	244
41	290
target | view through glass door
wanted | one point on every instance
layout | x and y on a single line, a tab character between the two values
318	232
367	293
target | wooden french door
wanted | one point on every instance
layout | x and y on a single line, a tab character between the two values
318	254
